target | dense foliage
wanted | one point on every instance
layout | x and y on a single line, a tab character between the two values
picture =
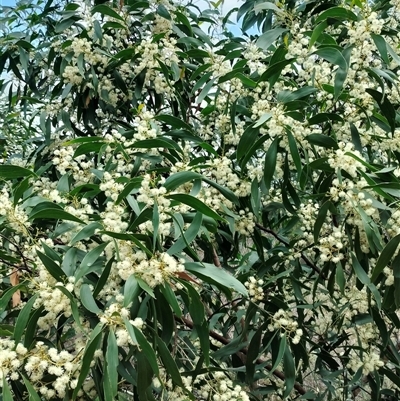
186	214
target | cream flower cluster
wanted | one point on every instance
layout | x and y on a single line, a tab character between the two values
341	160
244	223
255	288
286	323
16	216
162	267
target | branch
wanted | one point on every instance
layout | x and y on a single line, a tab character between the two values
280	239
187	322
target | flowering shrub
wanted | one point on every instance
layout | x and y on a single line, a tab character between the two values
190	215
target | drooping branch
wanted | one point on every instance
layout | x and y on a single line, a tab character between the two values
216	336
283	241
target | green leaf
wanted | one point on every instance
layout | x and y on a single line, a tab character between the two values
9	171
289	371
74	306
288	96
188	236
332	55
268	38
317	33
147	350
23	318
337	13
294	151
385	257
215	275
131	290
322	140
363	277
176	180
171	298
6	393
87	358
33	395
105	10
196	204
103	278
89	260
247	139
386	107
52	267
87	299
277	355
174	122
163	12
64	25
55	213
86	148
270	163
380	43
204	92
321	219
86	232
112	361
169	363
261	121
156	223
252	354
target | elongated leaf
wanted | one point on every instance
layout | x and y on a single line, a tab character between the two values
196	204
214	274
86	232
269	37
289	371
10	171
147	349
112	366
33	395
322	140
23	318
380	43
248	137
188	236
106	10
103	278
279	353
6	392
57	214
180	178
171	298
52	267
87	358
204	92
385	257
87	299
252	354
320	219
74	306
386	107
332	55
169	363
270	163
174	122
89	260
337	13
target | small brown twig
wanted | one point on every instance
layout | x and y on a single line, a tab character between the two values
280	375
280	239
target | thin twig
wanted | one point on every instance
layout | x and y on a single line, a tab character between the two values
280	375
283	241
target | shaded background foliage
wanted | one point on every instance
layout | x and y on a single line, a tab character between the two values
188	214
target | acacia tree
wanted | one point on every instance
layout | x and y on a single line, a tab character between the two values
196	216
